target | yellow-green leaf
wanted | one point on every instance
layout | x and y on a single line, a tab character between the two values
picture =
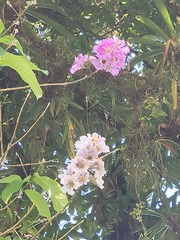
53	188
40	203
153	26
165	14
10	189
10	178
1	26
22	67
11	41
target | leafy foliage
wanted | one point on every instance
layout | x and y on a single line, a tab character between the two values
137	112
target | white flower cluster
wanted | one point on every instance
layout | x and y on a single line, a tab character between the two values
87	166
31	2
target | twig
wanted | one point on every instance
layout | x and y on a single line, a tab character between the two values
7	205
1	133
17	19
26	164
71	230
18	118
47	223
49	84
42	114
15	129
16	225
109	153
53	217
20	139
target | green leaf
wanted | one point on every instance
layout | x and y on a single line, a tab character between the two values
75	105
11	41
53	188
40	203
77	123
10	189
27	27
148	40
10	179
56	26
144	56
1	26
39	181
22	67
35	67
7	238
165	14
149	212
52	6
153	26
52	107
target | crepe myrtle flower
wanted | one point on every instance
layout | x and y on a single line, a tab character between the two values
109	56
70	183
81	62
87	166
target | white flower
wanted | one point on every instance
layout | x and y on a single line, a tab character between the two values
86	166
97	179
83	177
70	184
78	164
99	167
89	154
31	2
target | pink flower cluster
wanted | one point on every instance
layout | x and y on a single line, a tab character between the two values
110	56
87	166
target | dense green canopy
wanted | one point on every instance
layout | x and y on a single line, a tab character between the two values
44	110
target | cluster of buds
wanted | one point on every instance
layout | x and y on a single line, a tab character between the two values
137	212
110	55
87	165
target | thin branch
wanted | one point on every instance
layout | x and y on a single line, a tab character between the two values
7	205
53	217
109	153
32	126
18	119
49	84
71	230
15	129
1	131
47	223
20	139
17	224
26	164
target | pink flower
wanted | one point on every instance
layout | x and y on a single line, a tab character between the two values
104	48
113	71
80	60
100	63
110	55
